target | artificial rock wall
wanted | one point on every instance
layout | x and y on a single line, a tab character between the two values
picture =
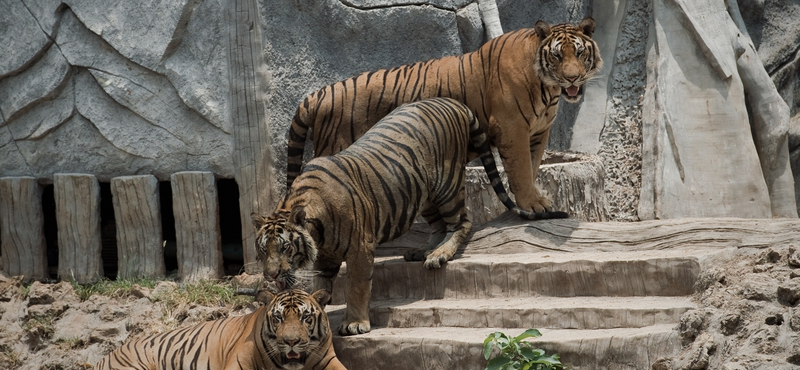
116	88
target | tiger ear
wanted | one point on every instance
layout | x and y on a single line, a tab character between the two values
298	216
322	296
264	296
258	221
542	29
587	26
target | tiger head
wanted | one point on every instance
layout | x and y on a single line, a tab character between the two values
296	330
567	56
283	245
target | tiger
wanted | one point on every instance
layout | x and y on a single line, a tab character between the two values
412	162
289	332
512	84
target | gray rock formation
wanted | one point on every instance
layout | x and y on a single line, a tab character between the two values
115	91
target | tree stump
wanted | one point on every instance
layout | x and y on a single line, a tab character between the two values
137	211
24	251
196	210
573	181
77	199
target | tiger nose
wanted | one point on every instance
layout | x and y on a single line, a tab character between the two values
571	79
292	342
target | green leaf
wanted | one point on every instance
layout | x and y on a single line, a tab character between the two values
487	347
501	339
527	334
497	363
529	354
550	361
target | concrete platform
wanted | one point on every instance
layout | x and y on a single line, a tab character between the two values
557	274
462	348
528	312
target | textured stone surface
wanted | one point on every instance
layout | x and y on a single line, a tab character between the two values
522	313
45	77
168	117
518	275
144	32
684	118
773	26
22	35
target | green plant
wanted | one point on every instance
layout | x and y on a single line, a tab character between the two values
204	293
111	288
516	354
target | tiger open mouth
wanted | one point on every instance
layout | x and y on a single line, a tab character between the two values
293	358
572	93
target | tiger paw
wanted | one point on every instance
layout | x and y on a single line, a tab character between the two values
435	261
439	256
538	205
353	328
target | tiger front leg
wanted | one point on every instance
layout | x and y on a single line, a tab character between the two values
518	155
454	239
359	288
438	233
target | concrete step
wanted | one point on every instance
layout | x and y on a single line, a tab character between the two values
557	274
462	348
527	312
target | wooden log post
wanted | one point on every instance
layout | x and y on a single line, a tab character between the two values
196	209
252	156
78	219
22	228
137	212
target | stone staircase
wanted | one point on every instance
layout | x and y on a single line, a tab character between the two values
604	295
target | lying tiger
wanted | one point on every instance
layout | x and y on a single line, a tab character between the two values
290	332
512	84
342	206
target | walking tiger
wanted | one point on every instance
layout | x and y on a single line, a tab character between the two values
341	207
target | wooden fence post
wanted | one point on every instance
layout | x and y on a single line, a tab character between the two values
196	209
78	218
137	212
252	157
22	228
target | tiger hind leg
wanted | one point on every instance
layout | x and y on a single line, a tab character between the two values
438	233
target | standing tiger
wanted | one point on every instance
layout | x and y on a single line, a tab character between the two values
341	207
512	84
290	332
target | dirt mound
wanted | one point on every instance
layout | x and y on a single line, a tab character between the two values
747	316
